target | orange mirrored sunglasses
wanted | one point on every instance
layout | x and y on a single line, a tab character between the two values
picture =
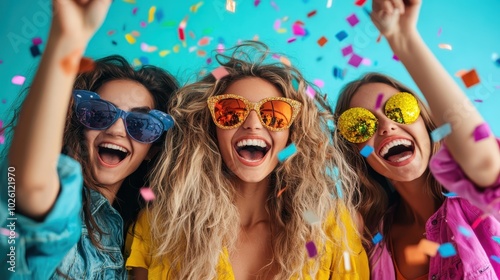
275	113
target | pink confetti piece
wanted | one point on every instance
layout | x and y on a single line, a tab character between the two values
220	48
220	72
352	20
147	48
481	132
366	61
204	41
256	3
355	60
360	2
310	92
311	249
7	232
275	6
347	50
147	194
319	83
37	41
379	100
2	139
298	30
439	31
293	39
277	24
143	24
478	221
395	57
134	11
18	80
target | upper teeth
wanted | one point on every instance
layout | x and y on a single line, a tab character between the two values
252	142
393	143
113	146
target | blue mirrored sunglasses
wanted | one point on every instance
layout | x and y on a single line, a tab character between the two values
95	113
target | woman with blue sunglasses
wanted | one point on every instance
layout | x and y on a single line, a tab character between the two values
419	231
71	210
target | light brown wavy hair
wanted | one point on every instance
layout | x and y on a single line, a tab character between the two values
194	216
376	194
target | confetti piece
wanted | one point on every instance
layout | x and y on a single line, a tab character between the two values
204	41
478	221
439	31
366	151
277	24
352	20
147	194
341	35
18	80
377	238
7	232
347	261
298	29
338	73
347	50
379	100
281	191
311	217
201	53
231	6
496	239
35	51
310	92
287	152
86	65
256	3
291	40
481	132
464	231
311	13
445	46
495	258
164	53
129	1
329	3
147	48
135	33
319	83
130	39
143	24
220	72
441	132
37	41
360	2
470	78
134	11
478	100
194	8
151	16
275	6
111	32
428	247
460	73
447	250
395	57
144	60
285	61
2	139
322	41
311	249
355	60
176	48
282	30
181	28
450	194
114	43
414	255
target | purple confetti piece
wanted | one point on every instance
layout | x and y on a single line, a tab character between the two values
481	132
352	20
311	249
355	60
395	57
291	40
347	50
275	6
37	41
379	100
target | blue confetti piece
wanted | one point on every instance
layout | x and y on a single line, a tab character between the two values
295	85
495	258
341	35
496	239
447	250
338	73
497	62
287	152
144	60
366	151
465	232
450	194
377	238
159	15
441	132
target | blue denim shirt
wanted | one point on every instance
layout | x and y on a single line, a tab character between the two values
473	259
60	245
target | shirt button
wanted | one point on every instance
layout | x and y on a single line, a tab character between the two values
434	276
434	222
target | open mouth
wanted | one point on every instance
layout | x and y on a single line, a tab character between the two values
112	154
252	150
397	150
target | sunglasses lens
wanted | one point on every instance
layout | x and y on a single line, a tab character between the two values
143	127
276	114
230	112
357	125
402	108
96	114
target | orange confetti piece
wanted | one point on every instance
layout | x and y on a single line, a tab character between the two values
322	41
152	12
470	78
428	247
445	46
86	65
281	191
231	6
130	39
135	33
70	62
460	73
285	61
201	53
414	255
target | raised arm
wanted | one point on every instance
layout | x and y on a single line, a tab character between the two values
38	136
397	21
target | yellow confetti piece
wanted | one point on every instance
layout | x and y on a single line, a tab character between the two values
445	46
129	1
164	53
284	19
176	48
130	39
282	30
135	33
195	7
136	62
231	6
152	12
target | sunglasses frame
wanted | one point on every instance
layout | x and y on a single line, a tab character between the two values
377	119
84	95
255	106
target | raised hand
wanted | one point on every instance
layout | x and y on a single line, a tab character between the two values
393	17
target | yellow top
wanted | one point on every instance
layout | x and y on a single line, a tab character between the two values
332	264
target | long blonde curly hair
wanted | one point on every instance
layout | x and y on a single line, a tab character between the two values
194	216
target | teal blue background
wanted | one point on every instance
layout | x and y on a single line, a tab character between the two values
470	27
